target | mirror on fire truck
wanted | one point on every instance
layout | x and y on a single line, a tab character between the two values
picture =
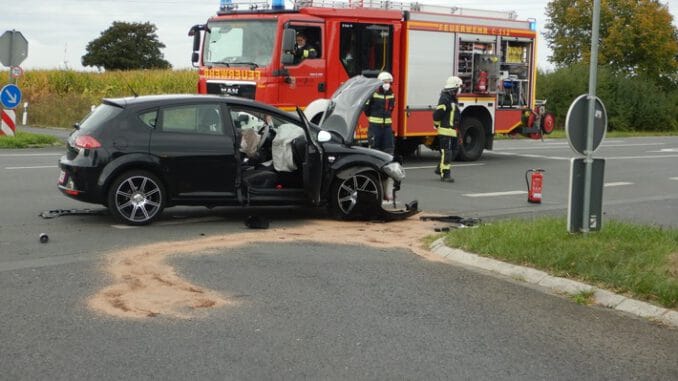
289	39
195	33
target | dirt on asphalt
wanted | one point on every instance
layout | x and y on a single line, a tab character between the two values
145	285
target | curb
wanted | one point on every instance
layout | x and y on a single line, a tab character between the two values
558	285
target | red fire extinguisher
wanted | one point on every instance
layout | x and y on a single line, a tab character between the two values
535	181
481	85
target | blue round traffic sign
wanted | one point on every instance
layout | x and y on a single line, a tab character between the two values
10	96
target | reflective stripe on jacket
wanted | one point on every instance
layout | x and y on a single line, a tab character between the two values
446	117
380	106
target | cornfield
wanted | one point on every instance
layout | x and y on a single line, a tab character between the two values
60	98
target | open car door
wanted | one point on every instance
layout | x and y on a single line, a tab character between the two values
313	163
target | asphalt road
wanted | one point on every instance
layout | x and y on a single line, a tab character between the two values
321	311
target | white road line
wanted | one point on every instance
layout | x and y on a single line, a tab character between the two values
568	158
673	178
34	167
528	155
30	154
453	166
567	145
617	184
494	194
640	157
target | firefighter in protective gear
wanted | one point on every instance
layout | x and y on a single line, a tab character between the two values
302	49
378	110
446	120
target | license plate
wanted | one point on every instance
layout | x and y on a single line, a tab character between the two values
62	177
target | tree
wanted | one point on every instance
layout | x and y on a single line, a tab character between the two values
636	36
126	46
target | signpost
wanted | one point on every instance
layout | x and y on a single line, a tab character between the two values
7	122
10	96
13	51
593	169
13	48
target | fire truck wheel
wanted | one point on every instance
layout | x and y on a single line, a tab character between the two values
407	147
473	139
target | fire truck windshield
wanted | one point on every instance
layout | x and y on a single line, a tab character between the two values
239	43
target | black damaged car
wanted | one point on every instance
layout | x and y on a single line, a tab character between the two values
137	156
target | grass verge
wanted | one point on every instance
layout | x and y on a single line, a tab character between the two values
640	261
28	140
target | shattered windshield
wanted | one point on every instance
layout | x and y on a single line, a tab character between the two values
239	43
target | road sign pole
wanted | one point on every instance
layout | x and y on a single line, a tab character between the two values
11	49
593	71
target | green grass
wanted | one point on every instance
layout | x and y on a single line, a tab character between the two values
641	261
28	140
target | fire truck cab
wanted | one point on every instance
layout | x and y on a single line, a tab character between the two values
251	49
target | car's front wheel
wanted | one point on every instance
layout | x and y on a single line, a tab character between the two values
359	195
136	198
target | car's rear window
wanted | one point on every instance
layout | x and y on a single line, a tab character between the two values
100	115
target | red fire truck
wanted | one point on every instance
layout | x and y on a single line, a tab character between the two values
247	50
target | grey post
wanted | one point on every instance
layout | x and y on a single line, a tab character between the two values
593	71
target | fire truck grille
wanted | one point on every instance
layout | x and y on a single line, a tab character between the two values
238	90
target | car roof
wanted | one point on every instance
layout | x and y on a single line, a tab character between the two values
147	101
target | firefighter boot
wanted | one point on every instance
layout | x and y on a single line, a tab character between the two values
446	177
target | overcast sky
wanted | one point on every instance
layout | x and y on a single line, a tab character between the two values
58	30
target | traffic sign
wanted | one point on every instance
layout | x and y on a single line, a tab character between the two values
13	48
10	96
16	71
7	122
575	205
576	123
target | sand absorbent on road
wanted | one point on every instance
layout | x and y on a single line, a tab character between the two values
145	285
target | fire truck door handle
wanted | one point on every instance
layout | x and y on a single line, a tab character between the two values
321	87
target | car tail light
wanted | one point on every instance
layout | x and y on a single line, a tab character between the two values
86	141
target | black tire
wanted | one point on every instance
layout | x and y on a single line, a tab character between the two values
473	139
136	198
356	196
407	147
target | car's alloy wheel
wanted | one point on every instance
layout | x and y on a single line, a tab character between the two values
136	198
356	195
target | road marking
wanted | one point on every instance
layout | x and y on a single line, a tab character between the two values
640	157
666	150
567	145
568	158
30	154
34	167
494	194
673	178
453	166
617	184
528	155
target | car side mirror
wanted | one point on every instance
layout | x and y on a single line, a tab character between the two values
324	136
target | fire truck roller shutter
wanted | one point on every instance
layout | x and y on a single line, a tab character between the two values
429	62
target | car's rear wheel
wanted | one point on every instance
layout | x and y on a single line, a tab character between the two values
136	198
356	196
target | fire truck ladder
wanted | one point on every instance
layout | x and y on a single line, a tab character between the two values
403	6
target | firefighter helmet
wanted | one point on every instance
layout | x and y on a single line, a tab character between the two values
453	83
385	76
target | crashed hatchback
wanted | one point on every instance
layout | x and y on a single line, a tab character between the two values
139	155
